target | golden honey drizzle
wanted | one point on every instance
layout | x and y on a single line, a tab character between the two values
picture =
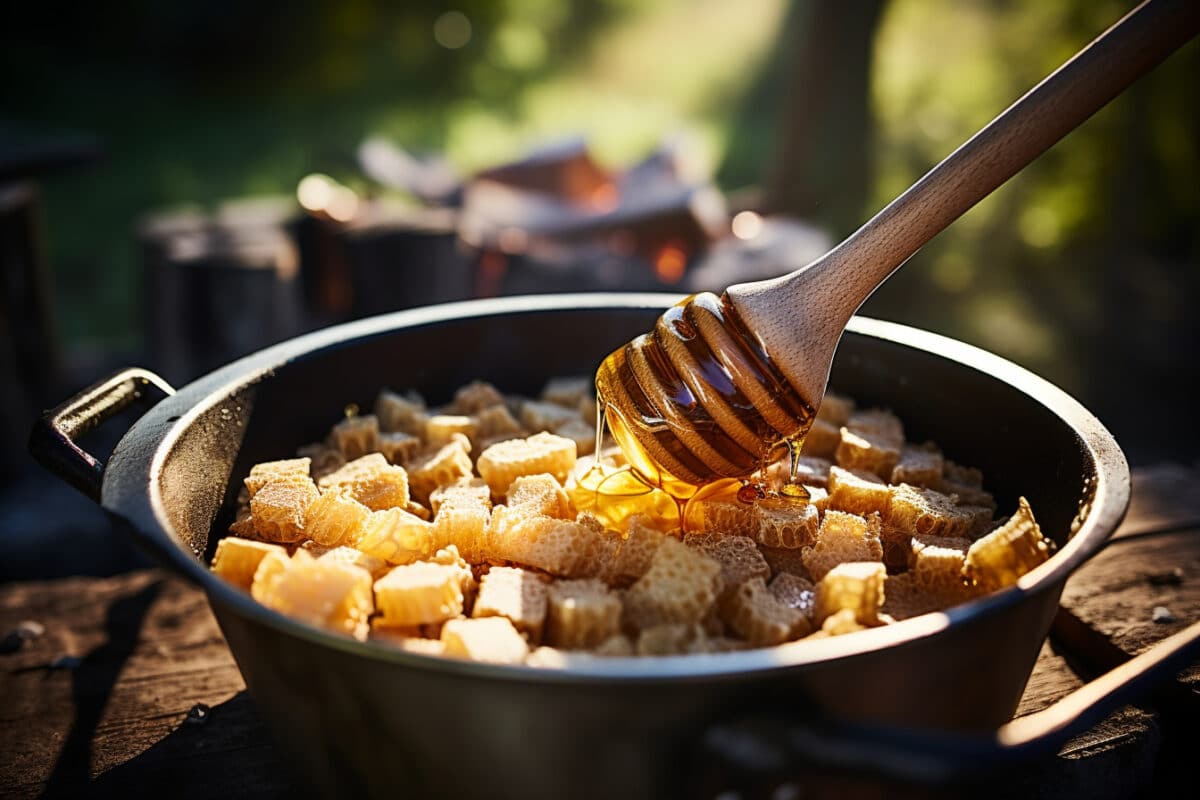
697	406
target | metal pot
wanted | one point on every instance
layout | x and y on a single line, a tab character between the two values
364	719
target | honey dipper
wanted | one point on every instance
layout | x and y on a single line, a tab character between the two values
722	381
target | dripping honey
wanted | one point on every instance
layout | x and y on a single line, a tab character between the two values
698	399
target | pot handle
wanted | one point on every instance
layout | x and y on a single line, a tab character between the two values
52	440
766	749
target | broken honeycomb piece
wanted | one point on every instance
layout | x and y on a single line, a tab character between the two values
497	422
470	490
518	594
503	463
475	397
671	639
784	560
928	512
463	522
1001	557
810	471
420	593
583	434
398	413
858	492
936	566
356	436
290	469
396	536
964	476
236	559
581	614
444	467
325	459
537	416
398	447
491	639
738	556
794	592
561	547
406	637
843	538
632	552
356	558
919	465
440	428
822	439
863	452
771	522
681	585
327	594
757	616
540	495
856	586
278	508
372	481
567	392
835	409
335	518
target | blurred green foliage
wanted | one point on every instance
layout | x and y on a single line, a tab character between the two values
1083	267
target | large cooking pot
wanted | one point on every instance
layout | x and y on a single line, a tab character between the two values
365	719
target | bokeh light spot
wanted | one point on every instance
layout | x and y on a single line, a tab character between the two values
452	30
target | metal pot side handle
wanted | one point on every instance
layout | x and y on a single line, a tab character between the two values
52	440
768	747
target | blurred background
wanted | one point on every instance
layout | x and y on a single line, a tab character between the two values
182	183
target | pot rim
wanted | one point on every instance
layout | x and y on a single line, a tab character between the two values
132	492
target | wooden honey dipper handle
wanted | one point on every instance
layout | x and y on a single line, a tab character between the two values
799	317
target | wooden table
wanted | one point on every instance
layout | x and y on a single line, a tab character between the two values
131	690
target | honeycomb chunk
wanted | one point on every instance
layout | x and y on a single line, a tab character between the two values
835	409
356	436
518	594
738	556
469	490
277	509
928	512
355	558
568	392
406	638
503	463
671	639
444	467
398	447
440	428
497	422
972	496
771	522
1001	557
540	495
558	546
855	586
536	416
680	586
236	560
491	639
843	538
398	413
794	592
325	459
757	616
335	518
287	470
372	481
583	434
396	536
936	565
328	594
463	522
633	551
475	397
822	439
581	614
858	492
784	560
419	593
919	465
963	476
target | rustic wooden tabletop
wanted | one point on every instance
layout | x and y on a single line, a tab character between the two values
123	686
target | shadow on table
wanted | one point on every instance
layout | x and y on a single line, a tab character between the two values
226	755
